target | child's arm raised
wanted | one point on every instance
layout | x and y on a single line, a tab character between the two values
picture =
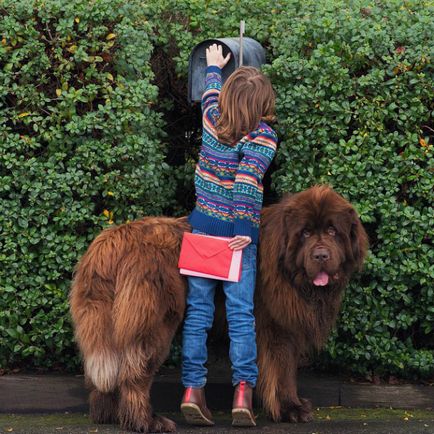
213	82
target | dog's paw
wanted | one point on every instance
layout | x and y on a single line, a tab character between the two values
162	424
302	413
138	426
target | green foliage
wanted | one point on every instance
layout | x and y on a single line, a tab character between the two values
354	85
81	133
355	100
80	149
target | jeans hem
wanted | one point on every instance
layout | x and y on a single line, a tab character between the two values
194	386
236	382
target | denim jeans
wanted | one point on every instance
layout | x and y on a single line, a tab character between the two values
239	313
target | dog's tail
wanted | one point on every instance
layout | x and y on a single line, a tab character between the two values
91	302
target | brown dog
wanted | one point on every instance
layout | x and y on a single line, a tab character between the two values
310	244
128	298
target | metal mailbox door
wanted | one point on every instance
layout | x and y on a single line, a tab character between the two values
253	55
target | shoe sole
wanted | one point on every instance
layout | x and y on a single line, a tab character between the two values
242	417
194	415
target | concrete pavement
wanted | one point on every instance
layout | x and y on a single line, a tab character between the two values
327	421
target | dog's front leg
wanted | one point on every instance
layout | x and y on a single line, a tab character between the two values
277	383
293	408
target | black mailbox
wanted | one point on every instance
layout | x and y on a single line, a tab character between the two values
253	55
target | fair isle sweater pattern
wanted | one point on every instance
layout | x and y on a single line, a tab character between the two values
228	179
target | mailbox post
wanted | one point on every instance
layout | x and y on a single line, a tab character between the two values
253	55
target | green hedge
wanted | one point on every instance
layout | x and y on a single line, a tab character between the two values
355	90
354	82
81	147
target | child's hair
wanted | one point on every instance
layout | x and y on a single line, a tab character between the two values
246	98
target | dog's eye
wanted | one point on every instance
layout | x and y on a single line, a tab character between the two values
331	231
306	233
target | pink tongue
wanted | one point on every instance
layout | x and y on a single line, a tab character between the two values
321	279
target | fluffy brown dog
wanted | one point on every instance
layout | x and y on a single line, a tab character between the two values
128	299
310	244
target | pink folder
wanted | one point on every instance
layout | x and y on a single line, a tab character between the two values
234	270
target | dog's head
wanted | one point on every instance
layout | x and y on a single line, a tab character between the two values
317	238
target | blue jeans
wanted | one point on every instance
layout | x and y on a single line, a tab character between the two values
239	313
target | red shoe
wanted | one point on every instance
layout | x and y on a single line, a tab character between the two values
242	409
194	408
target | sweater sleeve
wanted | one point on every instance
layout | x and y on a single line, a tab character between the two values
247	189
213	85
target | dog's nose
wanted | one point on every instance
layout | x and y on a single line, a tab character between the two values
321	254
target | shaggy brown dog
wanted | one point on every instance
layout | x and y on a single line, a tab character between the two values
310	244
128	299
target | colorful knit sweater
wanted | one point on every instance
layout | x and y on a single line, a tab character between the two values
228	179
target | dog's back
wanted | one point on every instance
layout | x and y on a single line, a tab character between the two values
126	300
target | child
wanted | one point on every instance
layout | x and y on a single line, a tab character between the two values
237	148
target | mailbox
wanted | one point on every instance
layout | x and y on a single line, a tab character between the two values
253	55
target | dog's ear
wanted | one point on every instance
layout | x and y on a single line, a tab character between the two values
359	240
276	221
284	251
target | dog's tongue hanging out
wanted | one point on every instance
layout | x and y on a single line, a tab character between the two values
321	279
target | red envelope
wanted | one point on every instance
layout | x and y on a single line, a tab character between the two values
209	256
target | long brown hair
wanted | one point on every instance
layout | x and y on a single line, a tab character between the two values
246	98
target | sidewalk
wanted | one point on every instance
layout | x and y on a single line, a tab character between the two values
59	393
327	421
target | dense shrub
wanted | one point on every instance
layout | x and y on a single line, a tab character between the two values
354	84
80	148
355	89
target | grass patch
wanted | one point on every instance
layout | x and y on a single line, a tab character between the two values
362	414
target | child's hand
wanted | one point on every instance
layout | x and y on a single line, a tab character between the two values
214	56
239	242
